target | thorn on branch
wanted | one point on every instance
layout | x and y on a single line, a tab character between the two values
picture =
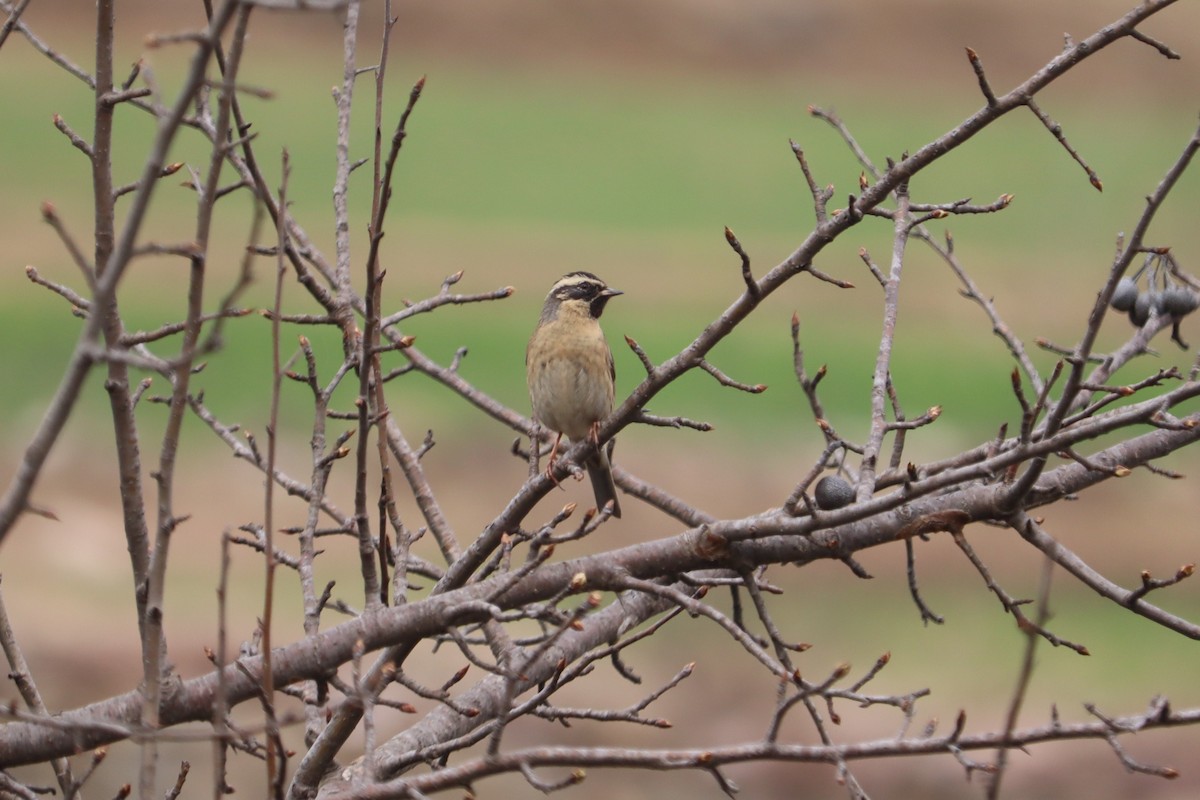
1155	43
1010	604
39	511
927	614
135	69
546	787
820	196
623	669
727	786
1170	773
1066	352
970	765
832	118
725	380
456	362
427	444
821	276
139	391
673	422
866	259
856	568
1057	132
822	371
960	725
855	213
260	92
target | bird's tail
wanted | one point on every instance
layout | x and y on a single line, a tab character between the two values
600	473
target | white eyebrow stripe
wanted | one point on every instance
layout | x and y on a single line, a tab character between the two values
575	280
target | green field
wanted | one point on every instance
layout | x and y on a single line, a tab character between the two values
517	177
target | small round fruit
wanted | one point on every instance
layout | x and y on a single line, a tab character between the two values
833	491
1178	301
1124	295
1146	301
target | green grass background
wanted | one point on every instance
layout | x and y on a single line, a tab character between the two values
517	177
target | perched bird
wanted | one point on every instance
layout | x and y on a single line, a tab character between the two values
570	372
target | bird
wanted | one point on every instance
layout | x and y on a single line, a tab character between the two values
570	372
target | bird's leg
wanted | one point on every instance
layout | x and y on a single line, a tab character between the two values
594	433
553	458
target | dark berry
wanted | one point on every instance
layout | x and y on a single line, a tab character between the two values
1146	301
833	492
1178	301
1124	295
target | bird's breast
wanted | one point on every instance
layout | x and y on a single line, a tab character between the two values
570	385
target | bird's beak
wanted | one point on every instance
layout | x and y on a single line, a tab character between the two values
610	292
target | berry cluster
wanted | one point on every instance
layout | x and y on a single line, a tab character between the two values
1163	296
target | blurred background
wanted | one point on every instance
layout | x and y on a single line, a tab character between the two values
620	137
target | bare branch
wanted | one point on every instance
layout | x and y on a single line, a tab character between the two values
751	286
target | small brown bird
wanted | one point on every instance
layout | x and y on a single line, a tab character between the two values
570	372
